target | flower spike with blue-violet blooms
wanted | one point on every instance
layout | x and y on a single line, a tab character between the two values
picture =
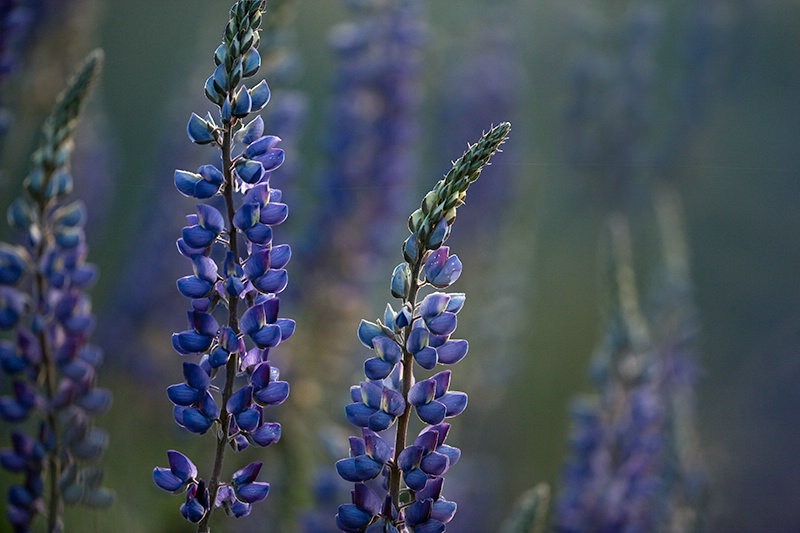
46	311
398	488
237	274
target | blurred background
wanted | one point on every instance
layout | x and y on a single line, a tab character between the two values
610	102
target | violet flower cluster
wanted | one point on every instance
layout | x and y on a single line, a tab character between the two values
237	274
44	306
399	488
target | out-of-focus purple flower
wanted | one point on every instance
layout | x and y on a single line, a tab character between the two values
44	303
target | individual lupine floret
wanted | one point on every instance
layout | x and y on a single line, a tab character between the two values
43	300
368	456
430	512
245	282
433	401
428	458
374	406
418	332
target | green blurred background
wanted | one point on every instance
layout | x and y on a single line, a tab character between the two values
536	263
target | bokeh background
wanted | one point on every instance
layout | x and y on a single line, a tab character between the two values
606	98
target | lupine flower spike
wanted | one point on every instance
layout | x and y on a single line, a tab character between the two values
237	274
43	304
410	498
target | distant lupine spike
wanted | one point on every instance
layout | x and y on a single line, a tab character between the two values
626	471
374	118
419	332
43	301
234	318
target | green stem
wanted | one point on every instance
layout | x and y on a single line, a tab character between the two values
49	378
233	321
408	375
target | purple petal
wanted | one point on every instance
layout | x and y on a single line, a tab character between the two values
273	394
455	402
432	413
451	352
195	376
247	474
267	434
274	213
166	480
426	358
252	492
433	305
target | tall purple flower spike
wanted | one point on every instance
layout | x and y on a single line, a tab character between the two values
419	332
237	274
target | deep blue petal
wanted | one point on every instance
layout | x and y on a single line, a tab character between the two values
182	394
